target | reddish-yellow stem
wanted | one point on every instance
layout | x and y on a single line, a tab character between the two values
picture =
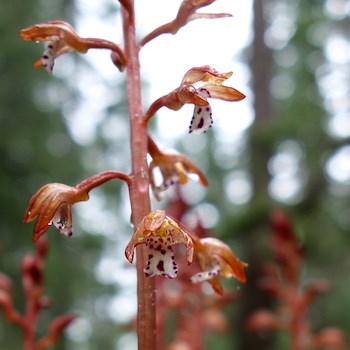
92	43
98	179
139	187
32	313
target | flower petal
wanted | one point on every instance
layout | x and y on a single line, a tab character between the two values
153	220
45	217
55	30
129	250
180	236
53	50
204	73
217	259
45	192
193	169
48	58
201	120
231	266
161	259
222	92
189	94
216	285
202	116
206	275
62	220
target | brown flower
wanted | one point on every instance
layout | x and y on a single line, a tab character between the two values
62	38
160	232
188	92
217	259
174	169
52	203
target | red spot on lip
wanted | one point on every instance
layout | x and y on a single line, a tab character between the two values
201	123
160	265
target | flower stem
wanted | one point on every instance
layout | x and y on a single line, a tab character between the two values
139	187
98	179
92	43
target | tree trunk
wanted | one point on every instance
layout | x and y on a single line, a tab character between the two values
260	151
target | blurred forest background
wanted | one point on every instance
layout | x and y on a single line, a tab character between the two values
295	155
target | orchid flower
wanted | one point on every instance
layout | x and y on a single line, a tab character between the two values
160	232
62	38
188	92
217	259
52	203
174	169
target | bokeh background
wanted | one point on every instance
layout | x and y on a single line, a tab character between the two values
285	146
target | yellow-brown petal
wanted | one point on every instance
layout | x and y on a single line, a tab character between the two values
204	74
45	217
180	236
193	169
46	201
181	173
154	220
225	93
215	283
54	30
40	197
129	250
231	266
188	94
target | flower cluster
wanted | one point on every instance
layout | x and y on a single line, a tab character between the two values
52	203
159	232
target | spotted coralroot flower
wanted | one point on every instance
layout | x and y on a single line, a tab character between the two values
160	232
217	259
197	86
51	205
174	169
62	38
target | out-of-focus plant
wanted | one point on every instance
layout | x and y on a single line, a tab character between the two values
35	301
156	233
282	281
196	312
